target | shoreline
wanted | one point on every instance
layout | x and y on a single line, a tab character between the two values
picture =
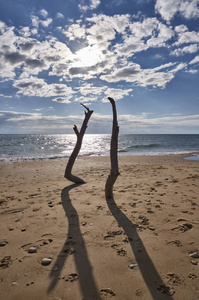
152	224
24	159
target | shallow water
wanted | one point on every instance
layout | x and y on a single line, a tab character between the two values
19	147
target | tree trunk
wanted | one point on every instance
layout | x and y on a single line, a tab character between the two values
113	154
77	148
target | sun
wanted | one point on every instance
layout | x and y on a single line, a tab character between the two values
88	56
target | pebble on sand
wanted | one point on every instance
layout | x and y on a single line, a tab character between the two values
46	261
2	244
151	228
132	266
32	250
194	255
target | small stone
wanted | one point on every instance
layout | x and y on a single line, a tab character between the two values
152	228
46	261
83	223
2	244
14	283
23	229
194	262
194	255
132	266
32	250
133	204
11	229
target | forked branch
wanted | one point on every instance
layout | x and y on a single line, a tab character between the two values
80	134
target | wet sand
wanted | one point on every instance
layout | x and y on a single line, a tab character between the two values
135	246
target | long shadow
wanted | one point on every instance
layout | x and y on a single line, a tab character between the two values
74	245
145	264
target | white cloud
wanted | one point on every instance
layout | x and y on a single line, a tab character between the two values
62	100
181	28
89	89
43	13
192	71
34	86
127	122
92	5
59	15
148	33
36	22
179	67
46	22
143	77
75	31
188	37
5	96
116	94
102	55
2	27
169	8
187	49
195	60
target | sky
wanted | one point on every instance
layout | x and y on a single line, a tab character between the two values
55	55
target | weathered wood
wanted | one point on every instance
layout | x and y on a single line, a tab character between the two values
80	134
114	172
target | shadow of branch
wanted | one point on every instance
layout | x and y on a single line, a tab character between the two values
146	266
75	245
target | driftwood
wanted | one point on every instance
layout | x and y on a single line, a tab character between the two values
114	172
73	156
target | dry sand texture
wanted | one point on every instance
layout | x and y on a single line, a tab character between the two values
151	225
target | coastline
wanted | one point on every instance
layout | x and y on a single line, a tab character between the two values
152	223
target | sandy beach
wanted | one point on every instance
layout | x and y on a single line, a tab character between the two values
143	244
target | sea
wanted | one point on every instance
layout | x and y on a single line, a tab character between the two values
31	147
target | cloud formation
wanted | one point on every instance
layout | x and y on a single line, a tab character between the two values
168	9
128	122
108	47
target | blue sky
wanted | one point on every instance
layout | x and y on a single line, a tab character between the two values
55	55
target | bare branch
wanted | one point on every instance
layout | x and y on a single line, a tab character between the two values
85	107
77	148
113	154
76	130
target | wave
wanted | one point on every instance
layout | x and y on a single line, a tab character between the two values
147	146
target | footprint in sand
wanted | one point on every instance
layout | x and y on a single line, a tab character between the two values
175	242
111	234
107	292
39	243
5	262
192	276
72	277
166	289
174	279
184	227
120	251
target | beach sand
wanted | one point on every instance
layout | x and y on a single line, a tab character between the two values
151	225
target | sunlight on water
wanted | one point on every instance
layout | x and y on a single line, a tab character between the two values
37	147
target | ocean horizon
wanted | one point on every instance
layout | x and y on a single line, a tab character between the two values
29	147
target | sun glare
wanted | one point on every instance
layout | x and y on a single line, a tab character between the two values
88	56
